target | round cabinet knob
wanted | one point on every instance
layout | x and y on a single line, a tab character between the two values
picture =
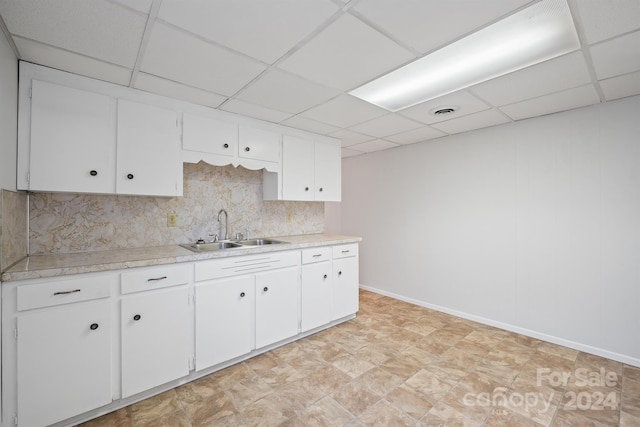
129	176
93	326
321	189
306	188
226	145
339	273
241	294
137	317
247	149
93	173
324	277
265	289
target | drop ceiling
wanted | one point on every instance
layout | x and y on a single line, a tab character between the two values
293	62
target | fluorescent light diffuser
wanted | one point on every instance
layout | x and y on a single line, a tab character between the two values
538	33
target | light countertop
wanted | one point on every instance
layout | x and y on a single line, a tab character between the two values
52	265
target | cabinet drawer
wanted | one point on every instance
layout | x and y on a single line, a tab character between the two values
344	251
155	278
64	291
322	253
232	266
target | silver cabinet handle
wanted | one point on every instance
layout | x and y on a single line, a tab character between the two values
66	292
346	252
317	255
155	279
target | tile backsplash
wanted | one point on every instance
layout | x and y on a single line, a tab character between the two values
13	227
63	223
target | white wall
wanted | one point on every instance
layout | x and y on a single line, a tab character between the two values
8	114
533	226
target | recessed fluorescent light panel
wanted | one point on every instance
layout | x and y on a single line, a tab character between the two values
538	33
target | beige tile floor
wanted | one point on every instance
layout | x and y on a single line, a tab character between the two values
398	364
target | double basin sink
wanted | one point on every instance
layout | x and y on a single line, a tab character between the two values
228	244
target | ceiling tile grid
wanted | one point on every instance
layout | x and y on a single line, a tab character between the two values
293	61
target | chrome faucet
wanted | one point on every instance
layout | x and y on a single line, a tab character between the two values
226	229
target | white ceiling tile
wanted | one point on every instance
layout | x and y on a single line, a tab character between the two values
262	29
375	145
621	87
479	120
617	56
252	110
347	152
463	102
72	62
310	125
348	137
551	76
605	19
427	25
344	111
154	84
556	102
180	57
143	6
346	54
98	29
417	135
285	92
386	125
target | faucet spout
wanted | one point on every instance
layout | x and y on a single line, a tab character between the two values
226	218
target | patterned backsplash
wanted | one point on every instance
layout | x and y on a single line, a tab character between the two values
13	227
63	223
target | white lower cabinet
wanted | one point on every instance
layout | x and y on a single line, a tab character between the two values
63	362
74	347
316	295
224	320
345	285
154	337
277	305
346	280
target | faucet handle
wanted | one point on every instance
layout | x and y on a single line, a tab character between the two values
214	237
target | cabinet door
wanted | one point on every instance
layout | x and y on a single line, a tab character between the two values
64	362
277	305
155	345
297	168
73	144
149	160
208	135
316	295
259	144
224	320
345	287
328	172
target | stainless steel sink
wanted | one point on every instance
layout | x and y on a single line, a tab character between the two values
225	244
212	246
259	242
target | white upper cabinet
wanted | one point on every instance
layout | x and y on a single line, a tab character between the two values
81	135
328	172
208	135
72	140
148	146
311	171
222	142
298	169
259	144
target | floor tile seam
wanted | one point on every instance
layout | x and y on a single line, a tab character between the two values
390	404
183	407
147	420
